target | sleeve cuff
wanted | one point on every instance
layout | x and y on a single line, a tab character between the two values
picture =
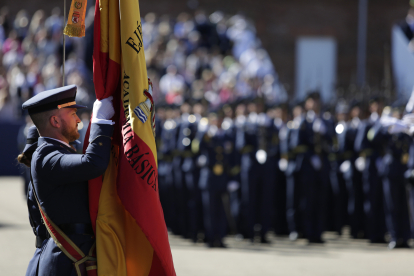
102	121
100	130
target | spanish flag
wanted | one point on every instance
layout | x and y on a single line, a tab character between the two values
131	235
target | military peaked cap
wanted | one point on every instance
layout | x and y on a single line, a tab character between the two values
62	97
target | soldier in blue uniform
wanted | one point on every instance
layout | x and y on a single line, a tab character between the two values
267	173
239	129
347	131
339	198
165	170
196	220
60	175
394	166
233	186
336	194
257	172
182	151
186	133
290	156
370	153
312	142
213	181
279	116
160	119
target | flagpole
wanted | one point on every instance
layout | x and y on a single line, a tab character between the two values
64	44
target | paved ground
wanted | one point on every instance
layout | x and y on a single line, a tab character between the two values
339	256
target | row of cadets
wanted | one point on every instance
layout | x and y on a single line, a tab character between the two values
253	171
179	170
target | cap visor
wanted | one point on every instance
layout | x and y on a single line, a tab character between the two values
78	106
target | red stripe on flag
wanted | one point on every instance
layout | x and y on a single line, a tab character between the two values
138	175
106	78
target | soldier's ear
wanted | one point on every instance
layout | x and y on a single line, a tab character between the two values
54	121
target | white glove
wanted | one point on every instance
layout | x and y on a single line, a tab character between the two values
345	166
408	118
233	186
103	110
360	163
319	126
397	128
283	164
388	121
316	162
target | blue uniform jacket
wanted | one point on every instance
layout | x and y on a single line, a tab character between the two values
60	178
212	147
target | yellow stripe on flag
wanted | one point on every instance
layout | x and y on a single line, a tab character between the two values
134	69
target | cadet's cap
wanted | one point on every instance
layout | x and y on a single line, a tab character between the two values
354	103
31	139
341	107
62	97
376	99
313	94
295	103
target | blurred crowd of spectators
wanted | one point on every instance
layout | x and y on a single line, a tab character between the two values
31	59
214	58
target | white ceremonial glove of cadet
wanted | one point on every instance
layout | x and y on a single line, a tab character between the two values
319	126
233	186
103	110
398	127
388	121
408	118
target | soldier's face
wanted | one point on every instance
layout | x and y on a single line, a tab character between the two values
198	109
70	121
297	111
355	112
240	110
396	114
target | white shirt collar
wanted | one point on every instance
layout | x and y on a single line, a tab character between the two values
66	144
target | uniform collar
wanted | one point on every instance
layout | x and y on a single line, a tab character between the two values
54	141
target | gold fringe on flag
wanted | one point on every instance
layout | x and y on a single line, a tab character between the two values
76	19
